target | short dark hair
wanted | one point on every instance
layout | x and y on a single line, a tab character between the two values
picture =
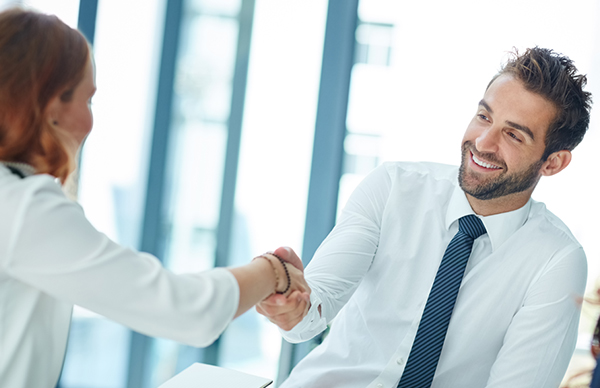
554	77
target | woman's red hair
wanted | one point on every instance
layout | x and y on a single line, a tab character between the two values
40	58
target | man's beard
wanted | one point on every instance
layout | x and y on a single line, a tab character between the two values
505	184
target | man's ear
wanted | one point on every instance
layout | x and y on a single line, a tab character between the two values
556	162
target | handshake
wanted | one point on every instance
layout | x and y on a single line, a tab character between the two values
286	309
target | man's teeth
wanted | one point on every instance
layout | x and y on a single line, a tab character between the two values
484	164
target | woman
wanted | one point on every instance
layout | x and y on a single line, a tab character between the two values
50	255
595	383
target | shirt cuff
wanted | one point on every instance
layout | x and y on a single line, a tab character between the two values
312	324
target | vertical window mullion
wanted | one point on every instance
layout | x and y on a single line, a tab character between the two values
328	150
234	134
153	234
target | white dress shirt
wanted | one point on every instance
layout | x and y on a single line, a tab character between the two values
51	258
515	320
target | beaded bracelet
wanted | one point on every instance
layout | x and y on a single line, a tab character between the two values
287	274
272	266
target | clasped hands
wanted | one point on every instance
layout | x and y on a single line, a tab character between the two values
287	310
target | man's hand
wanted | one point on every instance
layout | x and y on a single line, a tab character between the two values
287	254
287	311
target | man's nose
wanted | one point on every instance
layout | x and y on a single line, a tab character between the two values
488	140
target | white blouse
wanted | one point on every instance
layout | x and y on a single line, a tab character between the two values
51	258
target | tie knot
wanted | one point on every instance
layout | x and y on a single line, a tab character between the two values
471	225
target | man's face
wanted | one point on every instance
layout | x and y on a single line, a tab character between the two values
504	143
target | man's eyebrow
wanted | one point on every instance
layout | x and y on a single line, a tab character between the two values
514	125
486	106
521	128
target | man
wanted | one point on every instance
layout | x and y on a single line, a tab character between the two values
514	321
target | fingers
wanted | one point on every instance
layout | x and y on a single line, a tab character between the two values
294	275
297	281
285	321
288	254
285	312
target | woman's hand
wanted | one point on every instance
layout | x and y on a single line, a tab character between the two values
287	310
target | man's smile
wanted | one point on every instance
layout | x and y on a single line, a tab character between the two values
483	164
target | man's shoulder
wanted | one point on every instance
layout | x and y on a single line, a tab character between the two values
544	219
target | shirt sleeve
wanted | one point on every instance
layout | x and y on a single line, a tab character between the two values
345	256
54	248
541	338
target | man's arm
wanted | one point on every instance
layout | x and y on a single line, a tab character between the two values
541	338
339	264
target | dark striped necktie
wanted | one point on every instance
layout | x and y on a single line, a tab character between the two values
425	353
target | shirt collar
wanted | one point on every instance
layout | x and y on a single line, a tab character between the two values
499	227
24	168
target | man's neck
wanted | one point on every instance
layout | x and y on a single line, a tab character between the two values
505	204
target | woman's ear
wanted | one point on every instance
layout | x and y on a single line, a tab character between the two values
54	110
556	162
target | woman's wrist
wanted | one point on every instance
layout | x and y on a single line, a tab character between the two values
280	272
286	281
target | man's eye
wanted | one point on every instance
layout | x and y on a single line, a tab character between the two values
514	136
483	117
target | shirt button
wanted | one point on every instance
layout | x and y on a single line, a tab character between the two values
379	385
399	361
